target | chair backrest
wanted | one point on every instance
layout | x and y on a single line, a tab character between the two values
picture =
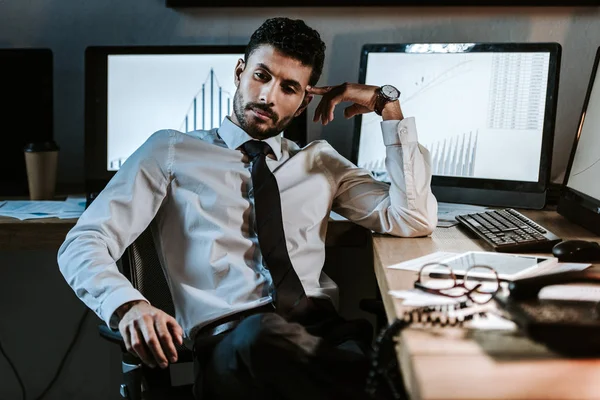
142	266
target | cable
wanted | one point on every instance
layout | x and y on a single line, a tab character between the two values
62	362
14	370
60	366
384	373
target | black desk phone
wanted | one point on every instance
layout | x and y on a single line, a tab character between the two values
568	327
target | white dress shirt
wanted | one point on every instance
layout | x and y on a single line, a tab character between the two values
197	186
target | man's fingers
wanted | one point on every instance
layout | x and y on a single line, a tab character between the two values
355	109
127	339
166	340
318	111
147	329
176	331
139	346
331	108
318	90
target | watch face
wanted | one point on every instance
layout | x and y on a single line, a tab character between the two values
390	92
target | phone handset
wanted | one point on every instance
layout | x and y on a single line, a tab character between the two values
529	288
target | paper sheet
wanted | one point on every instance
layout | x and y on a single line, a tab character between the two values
31	207
72	207
416	263
552	266
419	298
448	211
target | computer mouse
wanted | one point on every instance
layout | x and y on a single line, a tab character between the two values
577	251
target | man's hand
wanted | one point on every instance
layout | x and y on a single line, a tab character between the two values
149	333
363	98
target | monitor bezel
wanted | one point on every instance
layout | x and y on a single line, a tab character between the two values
97	174
506	186
96	97
13	179
574	205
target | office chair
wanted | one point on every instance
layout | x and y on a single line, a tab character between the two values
141	265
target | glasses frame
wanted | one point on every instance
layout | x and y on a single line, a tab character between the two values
468	292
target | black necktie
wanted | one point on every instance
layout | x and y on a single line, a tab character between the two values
289	297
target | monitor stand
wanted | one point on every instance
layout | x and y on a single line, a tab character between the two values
487	197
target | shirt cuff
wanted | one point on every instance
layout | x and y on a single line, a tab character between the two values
116	300
399	132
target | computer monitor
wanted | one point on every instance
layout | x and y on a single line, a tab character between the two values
134	91
485	112
26	111
580	196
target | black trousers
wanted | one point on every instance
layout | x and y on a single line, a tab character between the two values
267	357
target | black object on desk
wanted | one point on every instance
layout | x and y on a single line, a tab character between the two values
577	251
507	230
570	327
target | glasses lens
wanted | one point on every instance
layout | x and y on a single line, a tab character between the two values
483	281
437	276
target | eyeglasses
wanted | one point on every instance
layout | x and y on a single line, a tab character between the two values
479	283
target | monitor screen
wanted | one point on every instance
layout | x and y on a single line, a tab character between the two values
580	197
133	91
485	112
26	111
150	92
584	175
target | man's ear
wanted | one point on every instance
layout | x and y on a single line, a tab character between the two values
239	68
304	104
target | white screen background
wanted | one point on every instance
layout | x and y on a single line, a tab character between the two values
147	93
488	107
585	171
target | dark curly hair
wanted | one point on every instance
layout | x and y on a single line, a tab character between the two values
293	38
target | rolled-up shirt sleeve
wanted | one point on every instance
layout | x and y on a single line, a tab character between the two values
120	213
406	207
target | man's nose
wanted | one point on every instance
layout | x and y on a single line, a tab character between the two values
267	93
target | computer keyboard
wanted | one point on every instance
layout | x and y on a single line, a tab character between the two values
507	230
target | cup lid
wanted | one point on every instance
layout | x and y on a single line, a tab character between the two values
41	146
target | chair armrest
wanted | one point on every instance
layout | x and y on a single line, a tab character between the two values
111	335
183	354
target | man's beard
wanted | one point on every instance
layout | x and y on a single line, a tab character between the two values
253	128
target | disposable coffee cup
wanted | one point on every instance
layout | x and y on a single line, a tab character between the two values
41	160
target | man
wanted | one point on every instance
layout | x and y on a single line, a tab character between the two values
210	194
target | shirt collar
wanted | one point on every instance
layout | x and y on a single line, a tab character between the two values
234	137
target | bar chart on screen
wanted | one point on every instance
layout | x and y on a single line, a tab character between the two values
455	156
209	106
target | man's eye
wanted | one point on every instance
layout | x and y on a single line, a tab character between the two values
260	75
288	90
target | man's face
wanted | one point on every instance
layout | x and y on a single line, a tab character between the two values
271	91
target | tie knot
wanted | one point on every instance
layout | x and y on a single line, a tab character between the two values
254	148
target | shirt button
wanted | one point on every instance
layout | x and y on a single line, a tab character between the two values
403	131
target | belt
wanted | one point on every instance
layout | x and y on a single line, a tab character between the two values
229	322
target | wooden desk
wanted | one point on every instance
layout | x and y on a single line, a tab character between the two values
49	233
33	234
453	363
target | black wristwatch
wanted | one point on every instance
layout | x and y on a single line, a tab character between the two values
385	94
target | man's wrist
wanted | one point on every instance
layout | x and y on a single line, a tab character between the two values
122	310
392	111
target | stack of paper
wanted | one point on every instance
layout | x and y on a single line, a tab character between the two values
73	207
